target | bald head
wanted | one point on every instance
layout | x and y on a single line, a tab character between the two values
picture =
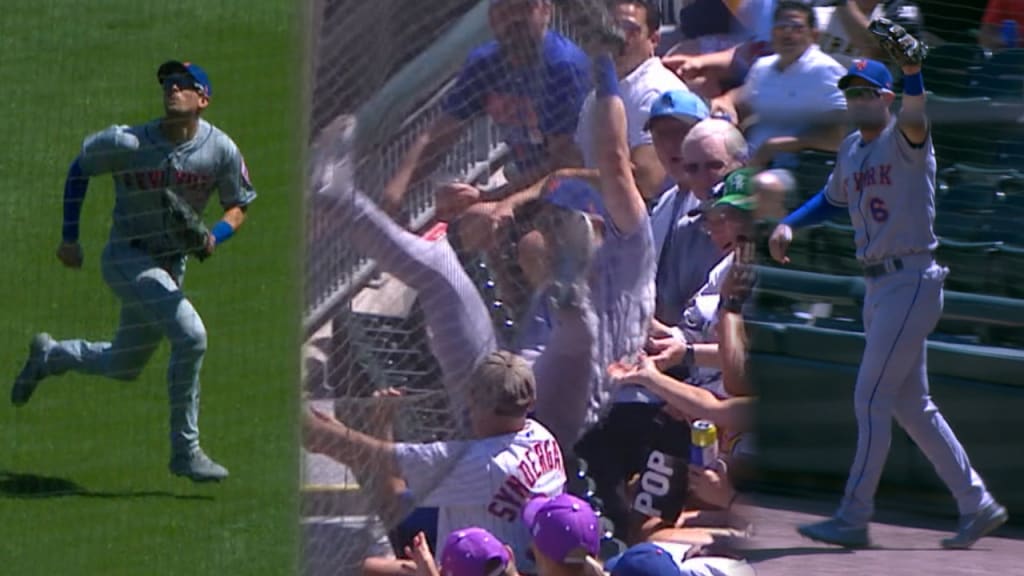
712	149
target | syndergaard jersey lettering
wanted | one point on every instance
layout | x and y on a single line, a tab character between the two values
143	163
485	482
888	185
508	501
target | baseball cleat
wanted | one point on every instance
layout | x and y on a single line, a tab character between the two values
32	373
573	245
198	467
974	527
836	531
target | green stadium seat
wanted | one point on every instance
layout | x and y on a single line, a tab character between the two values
1008	264
970	264
835	251
1002	76
953	69
812	173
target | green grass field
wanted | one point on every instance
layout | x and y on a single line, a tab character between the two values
84	487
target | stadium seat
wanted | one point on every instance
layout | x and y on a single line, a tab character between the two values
1002	76
970	265
969	198
1000	176
836	251
957	138
1008	263
953	69
812	174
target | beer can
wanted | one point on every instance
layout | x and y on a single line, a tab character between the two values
703	443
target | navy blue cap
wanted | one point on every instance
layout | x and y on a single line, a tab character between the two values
871	70
172	67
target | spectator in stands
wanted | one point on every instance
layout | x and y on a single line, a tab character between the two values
566	536
685	252
642	79
661	558
995	33
470	551
486	480
722	39
707	394
790	101
530	81
843	26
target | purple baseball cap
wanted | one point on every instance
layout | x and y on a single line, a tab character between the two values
172	67
871	70
574	194
468	552
564	528
644	559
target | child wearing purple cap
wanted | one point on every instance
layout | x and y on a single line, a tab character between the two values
565	536
470	551
476	552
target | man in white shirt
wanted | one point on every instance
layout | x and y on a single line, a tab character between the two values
482	482
790	97
642	79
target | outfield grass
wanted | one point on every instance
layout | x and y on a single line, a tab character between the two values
84	487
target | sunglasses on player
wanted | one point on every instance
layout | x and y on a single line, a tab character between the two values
183	82
693	167
862	93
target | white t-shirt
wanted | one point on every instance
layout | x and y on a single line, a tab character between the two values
639	89
787	101
485	482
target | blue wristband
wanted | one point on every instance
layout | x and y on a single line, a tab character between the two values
606	81
913	84
222	231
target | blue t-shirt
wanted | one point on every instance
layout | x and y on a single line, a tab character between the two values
527	104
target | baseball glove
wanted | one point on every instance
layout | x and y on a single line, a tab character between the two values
898	44
595	26
184	226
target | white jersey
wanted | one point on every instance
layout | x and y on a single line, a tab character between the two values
639	89
485	482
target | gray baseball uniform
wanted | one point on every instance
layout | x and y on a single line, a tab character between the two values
138	265
888	186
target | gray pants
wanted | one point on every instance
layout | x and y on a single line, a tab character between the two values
900	310
458	323
152	307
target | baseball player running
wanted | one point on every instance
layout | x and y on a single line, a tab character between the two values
885	178
144	262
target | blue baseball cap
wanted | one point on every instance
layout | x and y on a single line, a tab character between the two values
574	194
172	67
681	104
871	70
644	559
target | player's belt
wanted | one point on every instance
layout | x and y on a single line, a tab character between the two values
890	265
884	267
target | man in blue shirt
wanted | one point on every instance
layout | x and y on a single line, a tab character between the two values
531	82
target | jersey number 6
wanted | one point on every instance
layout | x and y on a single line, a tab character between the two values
879	211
